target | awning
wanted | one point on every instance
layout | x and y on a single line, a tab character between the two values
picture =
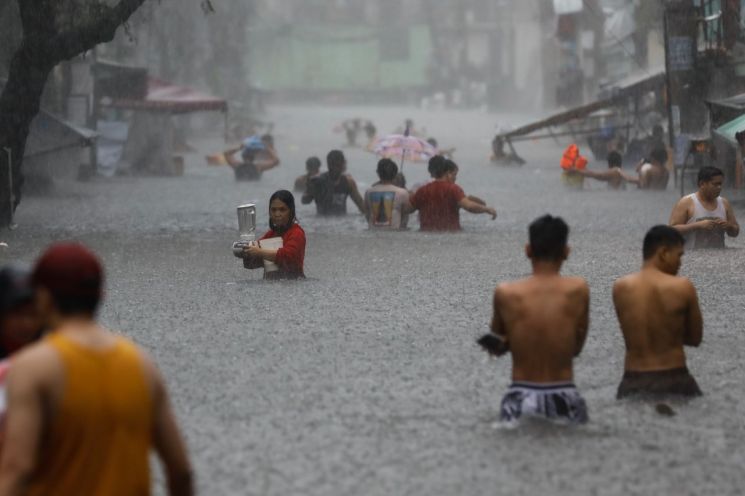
736	102
50	134
627	88
732	127
163	96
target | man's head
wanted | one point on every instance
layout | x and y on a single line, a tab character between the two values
658	156
336	163
387	170
548	239
19	321
710	180
268	140
436	166
432	142
68	281
451	170
614	159
663	247
313	165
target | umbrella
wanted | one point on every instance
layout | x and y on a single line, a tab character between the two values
404	147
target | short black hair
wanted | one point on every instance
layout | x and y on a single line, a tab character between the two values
436	166
615	159
288	199
335	159
387	169
450	166
658	236
313	163
707	173
659	154
548	238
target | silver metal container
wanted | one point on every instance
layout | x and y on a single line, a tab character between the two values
246	228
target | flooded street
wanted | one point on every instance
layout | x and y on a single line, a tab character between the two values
365	378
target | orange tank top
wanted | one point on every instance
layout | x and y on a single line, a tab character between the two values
99	438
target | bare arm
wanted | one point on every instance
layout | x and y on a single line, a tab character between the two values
584	320
24	428
497	324
269	162
679	218
629	179
694	323
731	227
467	204
356	197
168	443
230	157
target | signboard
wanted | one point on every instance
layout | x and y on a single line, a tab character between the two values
680	53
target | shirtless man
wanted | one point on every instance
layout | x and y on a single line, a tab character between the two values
613	176
85	405
659	314
653	174
542	320
704	216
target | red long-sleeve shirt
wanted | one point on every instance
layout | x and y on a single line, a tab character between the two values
291	256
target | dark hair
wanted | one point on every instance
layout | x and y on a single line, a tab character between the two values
658	236
436	166
248	154
267	138
74	277
450	166
548	238
313	163
432	142
387	169
659	155
615	159
707	173
285	197
335	159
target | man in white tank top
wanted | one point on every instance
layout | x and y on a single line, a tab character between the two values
704	217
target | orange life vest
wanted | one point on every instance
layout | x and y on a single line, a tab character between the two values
572	159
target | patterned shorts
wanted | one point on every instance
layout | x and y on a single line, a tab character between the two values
560	403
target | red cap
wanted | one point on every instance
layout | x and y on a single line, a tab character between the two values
69	269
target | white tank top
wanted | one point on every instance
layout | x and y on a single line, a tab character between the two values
706	239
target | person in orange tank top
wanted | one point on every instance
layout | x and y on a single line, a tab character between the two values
85	406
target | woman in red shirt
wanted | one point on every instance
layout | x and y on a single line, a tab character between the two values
282	223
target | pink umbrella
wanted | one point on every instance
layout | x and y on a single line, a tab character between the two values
403	148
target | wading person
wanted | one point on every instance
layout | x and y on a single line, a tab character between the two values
312	169
331	189
653	173
542	321
659	315
257	157
85	405
613	176
281	250
439	201
20	324
705	216
387	205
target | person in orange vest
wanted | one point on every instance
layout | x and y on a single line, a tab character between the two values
572	161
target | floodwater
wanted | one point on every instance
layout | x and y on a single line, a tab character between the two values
365	379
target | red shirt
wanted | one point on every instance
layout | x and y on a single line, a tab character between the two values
438	206
291	256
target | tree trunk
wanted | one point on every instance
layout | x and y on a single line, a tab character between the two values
42	48
19	104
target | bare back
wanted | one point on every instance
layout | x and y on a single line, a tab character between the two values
659	314
544	320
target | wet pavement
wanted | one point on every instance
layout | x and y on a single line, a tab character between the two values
365	379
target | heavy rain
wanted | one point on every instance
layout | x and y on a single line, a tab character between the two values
365	376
